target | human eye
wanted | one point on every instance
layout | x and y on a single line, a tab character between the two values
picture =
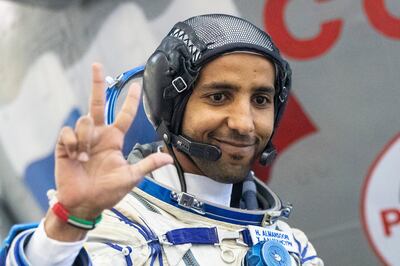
217	98
261	100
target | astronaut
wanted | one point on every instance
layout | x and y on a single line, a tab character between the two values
215	90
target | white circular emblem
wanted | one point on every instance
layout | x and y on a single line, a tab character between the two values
380	204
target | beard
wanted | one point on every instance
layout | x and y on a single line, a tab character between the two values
230	168
223	172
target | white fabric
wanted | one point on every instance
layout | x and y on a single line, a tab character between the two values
161	218
158	218
64	253
201	186
45	251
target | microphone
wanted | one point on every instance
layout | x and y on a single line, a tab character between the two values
196	149
268	155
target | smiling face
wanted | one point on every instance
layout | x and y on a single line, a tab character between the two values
232	107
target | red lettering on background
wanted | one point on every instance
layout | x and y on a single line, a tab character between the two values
301	49
390	218
381	19
294	125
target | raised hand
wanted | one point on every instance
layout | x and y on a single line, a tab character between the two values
91	171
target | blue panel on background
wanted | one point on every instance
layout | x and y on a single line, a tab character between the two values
39	175
141	131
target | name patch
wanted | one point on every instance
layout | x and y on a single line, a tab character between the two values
259	234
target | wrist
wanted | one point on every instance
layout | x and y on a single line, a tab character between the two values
83	213
59	230
64	215
83	218
60	218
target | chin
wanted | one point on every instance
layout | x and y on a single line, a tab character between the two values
232	167
230	179
223	171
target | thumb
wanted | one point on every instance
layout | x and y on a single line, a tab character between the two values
150	163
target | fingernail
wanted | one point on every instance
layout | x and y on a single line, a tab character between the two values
83	157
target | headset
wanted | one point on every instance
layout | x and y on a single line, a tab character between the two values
172	70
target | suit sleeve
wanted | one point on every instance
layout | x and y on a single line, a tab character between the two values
308	254
28	244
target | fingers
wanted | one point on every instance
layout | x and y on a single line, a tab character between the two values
128	111
149	164
97	99
76	144
84	132
69	142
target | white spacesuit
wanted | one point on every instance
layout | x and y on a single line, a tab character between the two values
156	224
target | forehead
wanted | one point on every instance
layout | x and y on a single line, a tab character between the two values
242	68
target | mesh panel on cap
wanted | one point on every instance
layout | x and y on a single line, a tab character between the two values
217	30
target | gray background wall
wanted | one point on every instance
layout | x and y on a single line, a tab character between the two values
348	93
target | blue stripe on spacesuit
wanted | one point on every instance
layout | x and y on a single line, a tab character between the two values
119	248
15	230
211	211
124	219
298	244
303	252
155	247
19	250
18	232
193	235
236	218
303	260
21	234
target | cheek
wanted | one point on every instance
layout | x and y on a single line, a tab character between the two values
188	117
264	127
196	120
199	122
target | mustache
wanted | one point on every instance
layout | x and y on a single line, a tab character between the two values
235	136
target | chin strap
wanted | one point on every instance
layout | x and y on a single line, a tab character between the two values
182	180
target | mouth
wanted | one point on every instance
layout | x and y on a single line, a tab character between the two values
235	143
236	149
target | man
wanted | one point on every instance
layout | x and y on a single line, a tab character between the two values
215	90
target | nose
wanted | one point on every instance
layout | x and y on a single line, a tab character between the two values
240	118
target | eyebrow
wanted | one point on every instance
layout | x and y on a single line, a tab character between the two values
229	86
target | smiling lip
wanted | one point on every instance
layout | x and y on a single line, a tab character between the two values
243	149
235	143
